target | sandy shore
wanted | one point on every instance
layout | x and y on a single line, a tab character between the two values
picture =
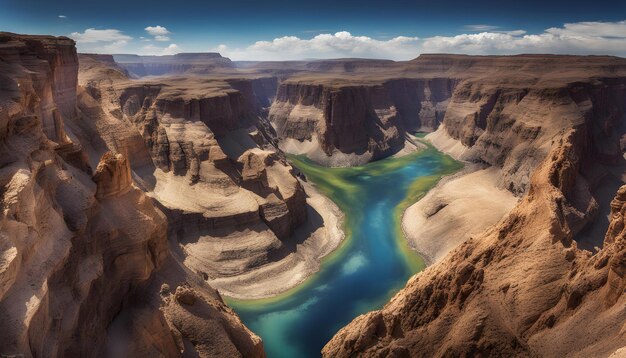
320	236
460	206
442	141
314	152
412	144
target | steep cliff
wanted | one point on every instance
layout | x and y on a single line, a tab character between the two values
524	285
358	120
81	253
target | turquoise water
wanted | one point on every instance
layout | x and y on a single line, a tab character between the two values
372	264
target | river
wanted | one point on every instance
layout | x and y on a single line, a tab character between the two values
372	264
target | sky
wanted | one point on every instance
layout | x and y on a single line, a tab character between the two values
290	30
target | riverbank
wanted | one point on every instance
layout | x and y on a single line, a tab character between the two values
312	150
373	262
457	208
320	236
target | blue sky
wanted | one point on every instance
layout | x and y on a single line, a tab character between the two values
288	29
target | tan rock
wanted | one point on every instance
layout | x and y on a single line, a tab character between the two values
73	267
112	176
185	295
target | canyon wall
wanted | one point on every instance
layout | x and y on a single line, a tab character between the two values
85	252
368	121
523	287
202	148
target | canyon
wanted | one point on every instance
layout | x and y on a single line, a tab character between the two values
137	190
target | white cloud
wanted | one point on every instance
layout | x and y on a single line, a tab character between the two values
159	32
172	49
594	29
62	17
101	41
92	36
573	38
340	44
156	50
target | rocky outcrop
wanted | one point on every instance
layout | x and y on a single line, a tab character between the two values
616	257
183	135
94	62
84	258
112	176
508	126
281	199
48	68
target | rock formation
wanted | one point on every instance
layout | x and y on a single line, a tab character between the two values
83	260
362	121
112	176
203	149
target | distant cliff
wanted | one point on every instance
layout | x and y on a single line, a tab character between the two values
197	63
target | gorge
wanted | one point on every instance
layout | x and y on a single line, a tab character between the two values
374	261
144	196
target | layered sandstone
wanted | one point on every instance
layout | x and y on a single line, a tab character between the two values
202	148
81	253
360	121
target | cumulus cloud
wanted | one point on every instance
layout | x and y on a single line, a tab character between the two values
159	33
572	38
92	35
340	44
156	50
101	41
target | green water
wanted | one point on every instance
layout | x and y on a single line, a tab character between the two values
372	264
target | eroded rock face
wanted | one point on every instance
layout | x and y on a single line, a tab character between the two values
53	64
509	126
231	215
81	254
615	257
112	176
357	119
281	198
